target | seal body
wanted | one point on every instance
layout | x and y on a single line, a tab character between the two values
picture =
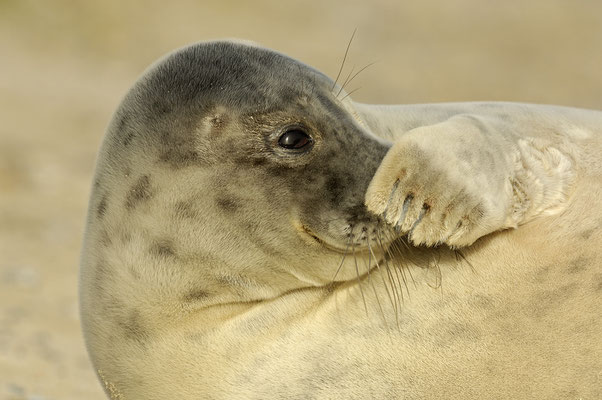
254	233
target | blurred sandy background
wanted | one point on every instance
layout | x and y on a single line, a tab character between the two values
64	65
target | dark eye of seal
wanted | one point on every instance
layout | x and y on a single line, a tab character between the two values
295	139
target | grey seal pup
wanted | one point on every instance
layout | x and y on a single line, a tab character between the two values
253	233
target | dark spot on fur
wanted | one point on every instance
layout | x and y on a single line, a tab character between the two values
139	192
127	139
163	248
102	207
335	188
542	273
587	233
228	204
256	162
185	209
567	290
104	238
547	301
124	131
178	150
160	108
577	265
277	170
458	331
123	120
178	158
133	327
196	295
482	302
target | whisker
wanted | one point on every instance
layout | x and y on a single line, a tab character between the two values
402	269
438	276
384	284
357	73
378	268
350	93
344	58
459	253
345	81
396	267
359	281
344	255
397	246
396	295
404	242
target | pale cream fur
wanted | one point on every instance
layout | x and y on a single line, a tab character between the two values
517	316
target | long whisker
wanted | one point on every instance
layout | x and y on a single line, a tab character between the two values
343	258
438	275
372	283
350	93
378	268
359	281
344	58
397	246
396	295
347	82
401	268
463	257
396	267
403	241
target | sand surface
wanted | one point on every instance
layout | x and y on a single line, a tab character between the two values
65	65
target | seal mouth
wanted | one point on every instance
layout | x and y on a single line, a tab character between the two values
330	246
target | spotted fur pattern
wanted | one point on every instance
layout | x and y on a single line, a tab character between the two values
429	251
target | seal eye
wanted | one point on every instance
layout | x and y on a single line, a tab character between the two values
295	139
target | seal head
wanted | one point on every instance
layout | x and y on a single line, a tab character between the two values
243	162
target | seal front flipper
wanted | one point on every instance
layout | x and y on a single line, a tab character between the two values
458	180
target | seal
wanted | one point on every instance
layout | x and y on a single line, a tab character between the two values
254	233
